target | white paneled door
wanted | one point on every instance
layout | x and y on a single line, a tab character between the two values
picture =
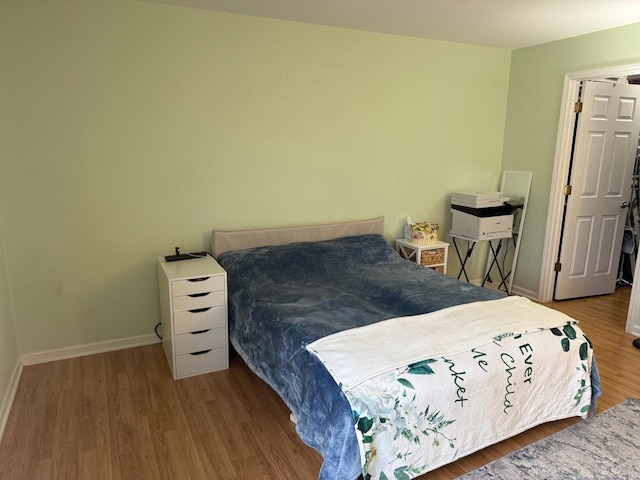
601	174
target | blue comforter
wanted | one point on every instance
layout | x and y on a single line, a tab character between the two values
282	298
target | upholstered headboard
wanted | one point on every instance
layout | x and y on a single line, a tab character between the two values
223	241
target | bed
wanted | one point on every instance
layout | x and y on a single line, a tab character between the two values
392	369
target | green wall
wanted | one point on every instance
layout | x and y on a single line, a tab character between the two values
9	352
535	94
134	127
8	342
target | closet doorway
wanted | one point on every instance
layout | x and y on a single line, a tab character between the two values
597	199
563	153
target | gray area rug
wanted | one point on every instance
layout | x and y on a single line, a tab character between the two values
604	447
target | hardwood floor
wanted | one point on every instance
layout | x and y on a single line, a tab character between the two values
119	415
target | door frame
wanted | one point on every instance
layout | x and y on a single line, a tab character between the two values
562	159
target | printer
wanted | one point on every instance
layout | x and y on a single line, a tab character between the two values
480	215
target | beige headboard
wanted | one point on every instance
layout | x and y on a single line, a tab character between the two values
223	241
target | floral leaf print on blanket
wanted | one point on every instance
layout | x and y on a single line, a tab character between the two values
568	333
390	426
419	368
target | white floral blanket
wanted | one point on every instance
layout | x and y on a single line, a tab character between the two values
480	373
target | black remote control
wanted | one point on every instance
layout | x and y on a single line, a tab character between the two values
185	256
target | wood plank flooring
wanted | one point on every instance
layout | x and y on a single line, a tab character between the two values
119	415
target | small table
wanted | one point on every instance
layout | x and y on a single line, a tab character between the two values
494	249
433	255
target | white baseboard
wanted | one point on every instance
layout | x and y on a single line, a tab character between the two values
515	290
88	349
523	292
7	401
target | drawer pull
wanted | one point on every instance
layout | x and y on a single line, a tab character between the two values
200	310
200	331
201	279
193	295
200	353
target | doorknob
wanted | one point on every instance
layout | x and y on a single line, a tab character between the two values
624	205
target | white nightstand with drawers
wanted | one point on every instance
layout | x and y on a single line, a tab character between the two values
193	311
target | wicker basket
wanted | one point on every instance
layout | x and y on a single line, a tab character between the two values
432	257
424	241
423	233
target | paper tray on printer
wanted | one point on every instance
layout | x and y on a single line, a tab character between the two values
505	209
478	199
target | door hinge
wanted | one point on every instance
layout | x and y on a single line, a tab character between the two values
577	108
567	190
557	267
